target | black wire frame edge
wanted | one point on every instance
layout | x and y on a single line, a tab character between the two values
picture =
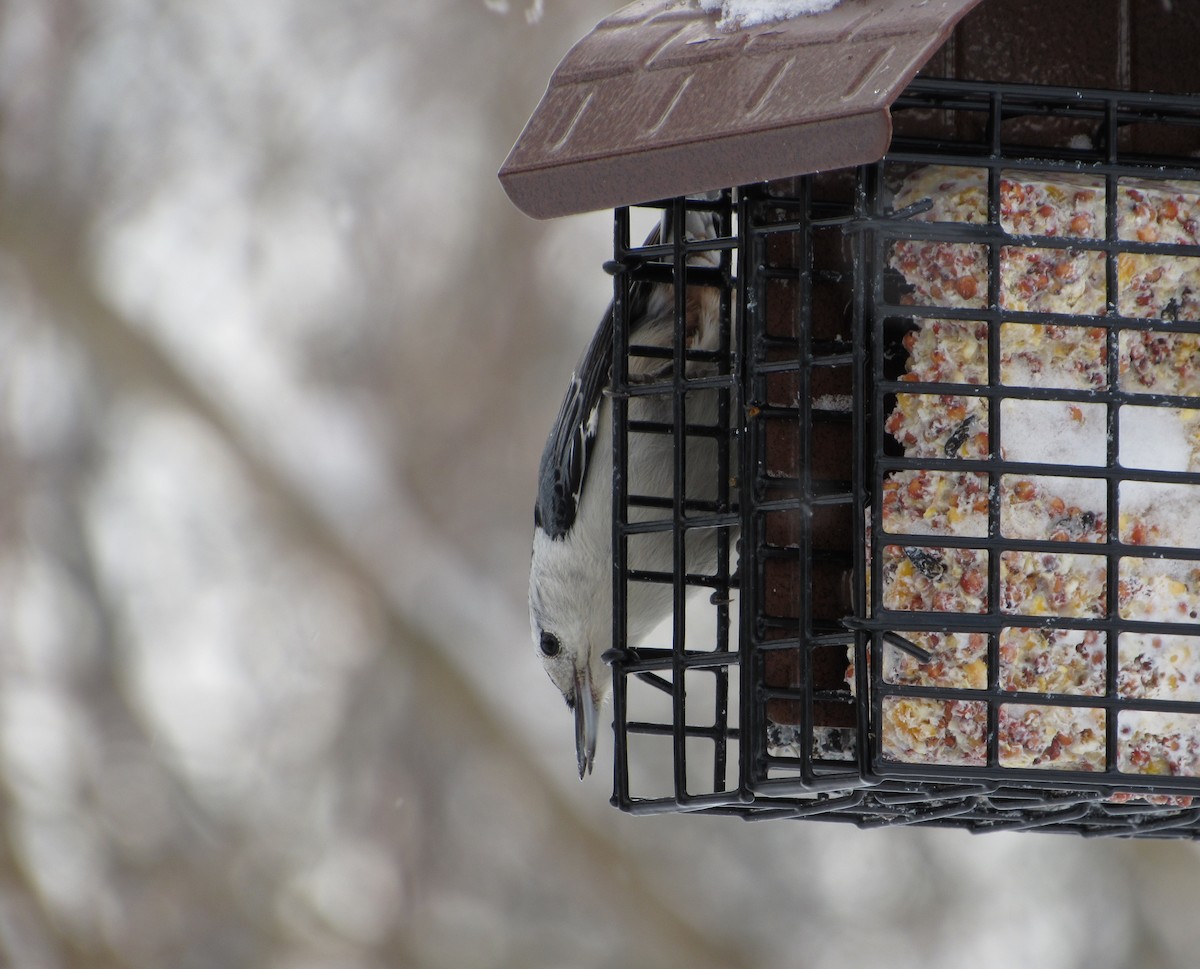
976	808
667	670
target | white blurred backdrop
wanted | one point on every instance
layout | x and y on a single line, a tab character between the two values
277	358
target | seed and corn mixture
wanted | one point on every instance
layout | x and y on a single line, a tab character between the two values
1068	350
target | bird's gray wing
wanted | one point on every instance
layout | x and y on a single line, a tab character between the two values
568	450
564	464
569	446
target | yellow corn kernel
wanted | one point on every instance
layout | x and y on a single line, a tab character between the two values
1126	267
977	674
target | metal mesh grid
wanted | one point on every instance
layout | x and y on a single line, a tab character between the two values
763	724
1004	711
694	398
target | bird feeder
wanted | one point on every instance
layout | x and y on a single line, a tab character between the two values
957	453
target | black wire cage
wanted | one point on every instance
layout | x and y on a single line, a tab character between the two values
951	416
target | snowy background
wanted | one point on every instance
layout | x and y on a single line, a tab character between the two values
277	357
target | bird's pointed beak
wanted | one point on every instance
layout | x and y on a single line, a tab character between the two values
587	721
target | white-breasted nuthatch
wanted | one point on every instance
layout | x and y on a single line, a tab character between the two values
570	578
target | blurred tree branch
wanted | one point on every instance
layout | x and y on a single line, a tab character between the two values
47	241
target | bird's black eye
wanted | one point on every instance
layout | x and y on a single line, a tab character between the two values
550	644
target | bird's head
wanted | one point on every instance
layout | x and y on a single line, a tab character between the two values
570	614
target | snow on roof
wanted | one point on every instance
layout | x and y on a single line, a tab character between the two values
750	13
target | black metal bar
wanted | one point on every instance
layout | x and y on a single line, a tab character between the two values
753	738
802	558
726	498
1113	424
869	400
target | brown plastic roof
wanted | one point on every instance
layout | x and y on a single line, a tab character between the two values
657	102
